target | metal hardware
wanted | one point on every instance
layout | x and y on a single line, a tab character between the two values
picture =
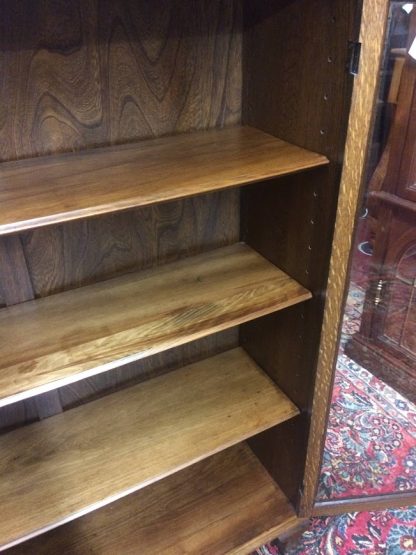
379	291
354	52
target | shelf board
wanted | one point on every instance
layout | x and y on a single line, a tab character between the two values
225	504
66	466
55	189
70	336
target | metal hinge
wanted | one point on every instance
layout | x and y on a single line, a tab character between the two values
354	52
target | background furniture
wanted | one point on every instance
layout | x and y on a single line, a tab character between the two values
386	342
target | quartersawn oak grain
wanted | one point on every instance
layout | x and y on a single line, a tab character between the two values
224	504
50	190
78	461
70	336
372	33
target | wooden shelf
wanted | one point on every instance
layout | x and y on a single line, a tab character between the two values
225	504
70	336
55	189
66	466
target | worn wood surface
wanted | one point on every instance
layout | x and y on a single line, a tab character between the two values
64	338
225	504
66	466
90	73
365	89
42	191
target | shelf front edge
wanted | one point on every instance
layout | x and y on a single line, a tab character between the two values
61	188
80	333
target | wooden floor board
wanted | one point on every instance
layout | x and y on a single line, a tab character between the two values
73	463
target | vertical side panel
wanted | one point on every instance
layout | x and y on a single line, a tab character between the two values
294	75
297	87
372	37
295	234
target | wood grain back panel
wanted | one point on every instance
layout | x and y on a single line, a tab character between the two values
79	253
91	73
83	74
87	73
15	282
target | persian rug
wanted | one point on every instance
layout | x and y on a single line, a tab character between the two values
390	532
370	449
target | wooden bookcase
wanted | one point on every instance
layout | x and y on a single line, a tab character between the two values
168	193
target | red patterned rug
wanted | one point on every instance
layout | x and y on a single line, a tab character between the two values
378	533
370	446
370	449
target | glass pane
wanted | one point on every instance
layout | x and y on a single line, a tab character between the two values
371	437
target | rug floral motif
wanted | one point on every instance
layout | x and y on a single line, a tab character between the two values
370	449
370	446
390	532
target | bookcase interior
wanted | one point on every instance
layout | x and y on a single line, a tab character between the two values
168	190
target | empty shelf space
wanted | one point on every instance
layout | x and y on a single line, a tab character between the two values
54	189
226	504
73	463
70	336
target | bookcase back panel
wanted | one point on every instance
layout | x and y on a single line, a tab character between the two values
83	74
82	252
86	73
